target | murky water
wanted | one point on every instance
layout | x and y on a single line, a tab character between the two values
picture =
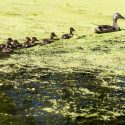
39	97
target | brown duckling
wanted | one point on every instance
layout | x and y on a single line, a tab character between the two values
49	40
30	42
16	44
9	40
6	50
34	39
70	35
9	43
27	43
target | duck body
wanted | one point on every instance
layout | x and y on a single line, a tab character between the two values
27	43
6	50
33	41
108	28
49	40
67	36
16	44
70	35
105	29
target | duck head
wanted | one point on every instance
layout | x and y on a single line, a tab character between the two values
27	39
52	35
15	42
72	30
9	40
34	39
117	16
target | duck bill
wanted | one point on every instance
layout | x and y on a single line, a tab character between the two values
122	17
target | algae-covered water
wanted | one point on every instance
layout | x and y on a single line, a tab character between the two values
80	81
76	98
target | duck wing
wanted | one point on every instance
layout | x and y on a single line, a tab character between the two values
66	36
104	29
47	41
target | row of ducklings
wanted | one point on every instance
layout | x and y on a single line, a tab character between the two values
11	44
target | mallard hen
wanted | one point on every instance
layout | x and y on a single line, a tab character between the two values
108	28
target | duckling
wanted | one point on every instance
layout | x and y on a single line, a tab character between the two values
16	44
27	43
6	50
70	35
108	28
34	39
9	40
9	43
50	40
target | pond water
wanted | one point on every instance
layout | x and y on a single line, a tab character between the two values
41	97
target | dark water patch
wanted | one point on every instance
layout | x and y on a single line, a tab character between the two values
38	96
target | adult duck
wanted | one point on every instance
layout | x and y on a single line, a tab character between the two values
70	35
49	40
108	28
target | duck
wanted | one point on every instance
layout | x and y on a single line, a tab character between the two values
9	40
70	35
34	39
30	42
7	50
9	43
16	44
108	28
49	40
27	43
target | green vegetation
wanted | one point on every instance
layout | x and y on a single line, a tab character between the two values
38	18
95	61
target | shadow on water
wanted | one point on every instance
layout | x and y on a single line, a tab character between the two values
37	97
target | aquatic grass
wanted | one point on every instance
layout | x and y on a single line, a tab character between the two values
87	67
32	19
